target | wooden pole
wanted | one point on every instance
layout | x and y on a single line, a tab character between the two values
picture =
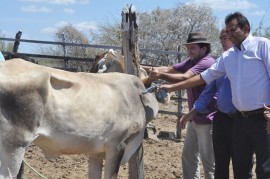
131	55
136	165
125	34
17	42
130	40
180	100
64	50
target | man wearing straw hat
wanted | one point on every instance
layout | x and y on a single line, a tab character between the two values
198	142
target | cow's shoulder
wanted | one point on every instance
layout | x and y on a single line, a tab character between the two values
23	93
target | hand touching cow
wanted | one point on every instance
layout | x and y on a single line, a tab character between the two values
267	117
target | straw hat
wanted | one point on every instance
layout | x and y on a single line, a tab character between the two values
197	37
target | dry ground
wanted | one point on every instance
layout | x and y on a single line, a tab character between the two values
162	158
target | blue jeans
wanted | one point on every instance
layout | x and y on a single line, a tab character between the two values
250	135
223	145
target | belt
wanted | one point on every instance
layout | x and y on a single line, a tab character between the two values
250	113
231	115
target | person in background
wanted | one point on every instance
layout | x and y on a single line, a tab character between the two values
247	66
198	142
223	121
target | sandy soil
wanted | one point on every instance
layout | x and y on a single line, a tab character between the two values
162	157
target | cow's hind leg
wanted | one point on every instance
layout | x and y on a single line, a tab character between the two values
11	162
112	161
95	166
21	172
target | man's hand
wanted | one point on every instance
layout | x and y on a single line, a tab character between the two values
167	87
154	73
187	117
267	117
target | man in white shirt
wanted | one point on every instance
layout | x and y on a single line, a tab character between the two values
247	66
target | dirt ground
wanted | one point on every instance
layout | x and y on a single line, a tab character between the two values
162	157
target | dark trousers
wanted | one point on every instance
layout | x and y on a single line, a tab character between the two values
222	143
223	126
250	135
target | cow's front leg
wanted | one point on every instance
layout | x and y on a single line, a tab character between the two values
95	166
21	172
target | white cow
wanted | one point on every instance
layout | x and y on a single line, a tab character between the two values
102	115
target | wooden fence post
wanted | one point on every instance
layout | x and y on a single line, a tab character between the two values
130	41
180	100
17	42
64	50
132	66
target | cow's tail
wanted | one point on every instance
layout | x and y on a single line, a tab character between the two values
150	105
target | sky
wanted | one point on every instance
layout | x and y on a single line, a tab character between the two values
39	19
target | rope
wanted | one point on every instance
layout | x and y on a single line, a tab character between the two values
35	171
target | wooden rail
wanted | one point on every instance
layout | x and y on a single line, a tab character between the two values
92	46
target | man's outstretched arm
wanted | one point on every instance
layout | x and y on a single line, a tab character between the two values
189	83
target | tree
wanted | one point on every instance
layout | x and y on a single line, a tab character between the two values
5	46
198	18
166	30
108	34
267	32
156	31
159	29
70	34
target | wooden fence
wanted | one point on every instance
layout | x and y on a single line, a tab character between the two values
17	41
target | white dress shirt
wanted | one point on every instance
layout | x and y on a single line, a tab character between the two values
248	70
